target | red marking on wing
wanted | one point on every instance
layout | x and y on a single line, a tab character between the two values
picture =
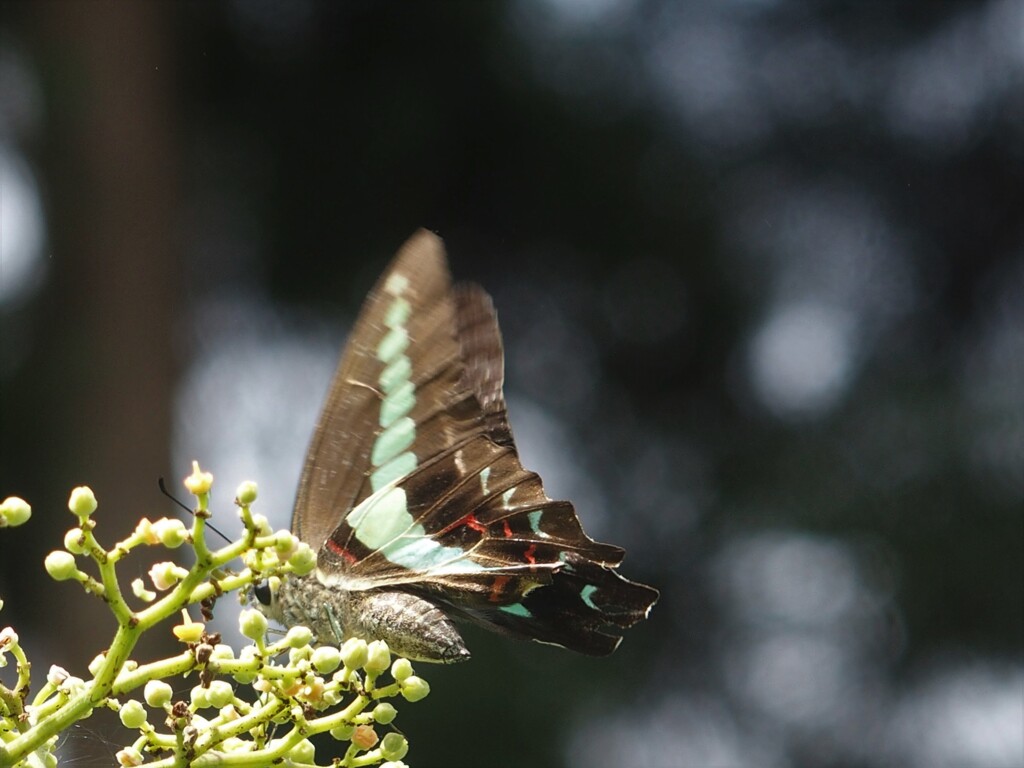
469	521
508	529
341	552
528	554
497	587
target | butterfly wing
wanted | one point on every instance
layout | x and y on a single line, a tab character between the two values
413	482
399	373
474	530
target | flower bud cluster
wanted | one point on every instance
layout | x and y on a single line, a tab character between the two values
323	689
345	691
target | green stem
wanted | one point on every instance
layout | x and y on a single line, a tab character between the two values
370	758
260	757
243	724
76	708
112	591
157	670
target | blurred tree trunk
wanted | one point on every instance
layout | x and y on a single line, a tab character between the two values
104	370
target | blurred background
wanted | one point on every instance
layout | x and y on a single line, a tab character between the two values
760	271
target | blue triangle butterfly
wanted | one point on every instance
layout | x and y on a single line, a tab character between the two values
416	503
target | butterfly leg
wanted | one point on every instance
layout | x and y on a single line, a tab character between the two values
332	620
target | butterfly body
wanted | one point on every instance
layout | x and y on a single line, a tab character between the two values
414	496
412	626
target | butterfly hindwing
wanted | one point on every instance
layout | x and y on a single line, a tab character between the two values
488	542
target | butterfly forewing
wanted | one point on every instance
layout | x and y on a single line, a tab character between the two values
338	468
412	481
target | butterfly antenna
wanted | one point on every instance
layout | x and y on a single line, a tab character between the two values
169	495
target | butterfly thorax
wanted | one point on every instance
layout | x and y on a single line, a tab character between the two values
412	626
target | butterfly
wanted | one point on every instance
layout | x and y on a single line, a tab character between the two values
414	498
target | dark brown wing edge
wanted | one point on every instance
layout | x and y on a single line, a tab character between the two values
338	458
483	357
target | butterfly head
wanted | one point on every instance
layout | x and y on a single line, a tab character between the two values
263	593
300	600
265	598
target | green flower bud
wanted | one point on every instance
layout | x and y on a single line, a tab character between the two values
343	732
157	693
61	565
253	624
222	652
378	657
262	525
354	652
289	684
303	752
199	482
220	693
384	713
246	493
414	688
96	664
144	531
132	714
140	591
285	544
72	685
200	697
56	675
298	637
166	574
248	656
14	511
74	541
171	532
82	502
331	697
394	747
401	669
326	659
303	560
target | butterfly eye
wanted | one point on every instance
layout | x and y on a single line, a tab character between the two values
263	592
